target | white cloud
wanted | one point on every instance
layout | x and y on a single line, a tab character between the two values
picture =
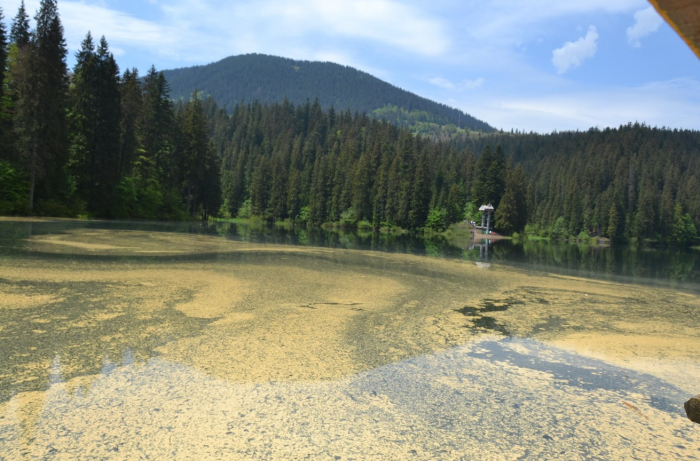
471	84
442	83
202	31
646	21
665	103
265	25
572	54
116	26
464	85
509	19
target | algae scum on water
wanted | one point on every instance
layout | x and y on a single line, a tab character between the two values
130	343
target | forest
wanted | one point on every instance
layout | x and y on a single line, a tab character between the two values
95	142
271	79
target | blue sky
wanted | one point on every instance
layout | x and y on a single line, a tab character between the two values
535	65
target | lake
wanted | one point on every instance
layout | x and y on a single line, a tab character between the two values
123	340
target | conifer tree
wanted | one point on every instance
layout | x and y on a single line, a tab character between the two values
20	34
4	151
158	125
131	121
683	231
511	214
41	107
197	165
455	201
277	206
489	184
3	52
614	228
644	218
95	146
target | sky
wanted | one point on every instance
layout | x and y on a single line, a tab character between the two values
534	65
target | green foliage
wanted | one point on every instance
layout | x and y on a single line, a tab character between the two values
304	215
511	214
348	218
437	220
364	225
245	211
95	126
139	197
3	57
558	230
455	198
13	190
198	166
683	231
532	229
616	183
614	229
507	213
20	33
489	183
471	212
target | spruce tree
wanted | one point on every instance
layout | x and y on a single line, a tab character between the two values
3	52
197	166
489	184
130	147
41	112
683	231
20	34
3	70
614	228
507	213
107	136
158	124
95	144
511	214
84	117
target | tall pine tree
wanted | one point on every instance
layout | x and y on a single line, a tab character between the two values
41	111
20	34
96	125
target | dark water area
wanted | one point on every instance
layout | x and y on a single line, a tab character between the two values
663	266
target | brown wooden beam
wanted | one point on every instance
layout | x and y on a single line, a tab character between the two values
684	17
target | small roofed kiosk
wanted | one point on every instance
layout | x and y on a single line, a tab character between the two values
684	17
486	212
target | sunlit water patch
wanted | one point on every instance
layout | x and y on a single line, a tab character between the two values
152	341
492	399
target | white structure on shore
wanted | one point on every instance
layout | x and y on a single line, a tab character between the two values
486	212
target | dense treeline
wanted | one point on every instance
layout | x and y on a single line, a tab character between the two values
299	162
95	142
271	79
632	182
100	143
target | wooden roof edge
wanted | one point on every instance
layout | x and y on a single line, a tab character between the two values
658	5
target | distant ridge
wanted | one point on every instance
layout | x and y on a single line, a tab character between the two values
270	79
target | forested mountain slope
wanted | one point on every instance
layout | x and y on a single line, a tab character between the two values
624	182
270	79
282	161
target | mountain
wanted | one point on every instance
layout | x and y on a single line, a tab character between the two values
270	79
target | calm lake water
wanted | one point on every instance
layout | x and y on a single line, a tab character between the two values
665	266
123	340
